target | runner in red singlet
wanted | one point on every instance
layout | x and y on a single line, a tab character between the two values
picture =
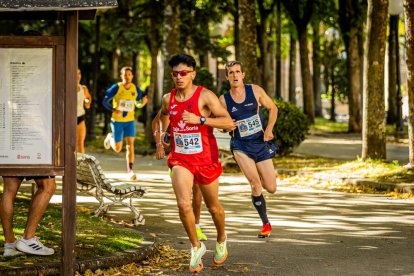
187	109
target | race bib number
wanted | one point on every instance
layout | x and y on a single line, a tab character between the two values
249	126
126	105
188	143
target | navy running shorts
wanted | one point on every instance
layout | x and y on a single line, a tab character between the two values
258	150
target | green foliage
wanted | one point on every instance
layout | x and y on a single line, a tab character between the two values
205	78
291	126
225	87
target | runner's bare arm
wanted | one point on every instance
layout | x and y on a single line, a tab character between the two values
209	104
159	125
88	97
224	105
267	103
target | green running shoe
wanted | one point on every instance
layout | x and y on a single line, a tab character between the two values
200	235
220	255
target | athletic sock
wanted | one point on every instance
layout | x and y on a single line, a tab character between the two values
130	165
260	205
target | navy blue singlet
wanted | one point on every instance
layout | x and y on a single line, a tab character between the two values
248	137
249	126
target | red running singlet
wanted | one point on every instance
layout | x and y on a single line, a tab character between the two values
192	144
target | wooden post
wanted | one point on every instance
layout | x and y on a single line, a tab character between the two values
69	178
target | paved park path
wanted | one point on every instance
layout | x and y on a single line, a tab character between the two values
315	232
347	147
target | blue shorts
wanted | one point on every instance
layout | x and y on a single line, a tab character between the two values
258	150
121	130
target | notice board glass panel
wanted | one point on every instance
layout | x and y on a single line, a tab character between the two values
26	83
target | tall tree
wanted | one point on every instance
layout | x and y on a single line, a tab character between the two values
409	34
316	64
265	10
301	12
392	69
292	69
373	129
149	15
248	39
171	43
195	29
278	78
236	29
352	15
324	14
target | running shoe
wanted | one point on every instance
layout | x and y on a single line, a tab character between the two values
33	246
200	235
107	141
220	255
10	250
132	176
196	263
265	232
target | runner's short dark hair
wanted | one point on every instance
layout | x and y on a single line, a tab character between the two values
182	58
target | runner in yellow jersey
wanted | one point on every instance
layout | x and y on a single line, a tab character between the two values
122	98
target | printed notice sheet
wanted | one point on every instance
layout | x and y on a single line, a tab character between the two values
26	105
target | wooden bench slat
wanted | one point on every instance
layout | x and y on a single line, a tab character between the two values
90	175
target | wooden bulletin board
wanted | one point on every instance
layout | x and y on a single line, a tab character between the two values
32	97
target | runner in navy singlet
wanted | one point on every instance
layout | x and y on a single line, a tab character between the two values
252	141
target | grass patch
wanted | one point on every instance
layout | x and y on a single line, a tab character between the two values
295	161
95	237
374	170
325	125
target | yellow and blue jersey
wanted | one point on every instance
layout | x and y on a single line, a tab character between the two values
118	97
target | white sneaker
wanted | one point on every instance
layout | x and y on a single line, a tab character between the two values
33	246
107	141
132	176
10	250
196	263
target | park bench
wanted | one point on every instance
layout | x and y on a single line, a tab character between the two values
223	143
108	191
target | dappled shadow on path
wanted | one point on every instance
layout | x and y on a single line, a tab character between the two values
314	231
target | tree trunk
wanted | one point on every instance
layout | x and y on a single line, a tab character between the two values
332	81
317	70
247	32
392	71
352	14
292	70
236	30
94	93
278	79
115	64
270	64
308	103
373	131
354	83
171	45
409	34
263	64
154	102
